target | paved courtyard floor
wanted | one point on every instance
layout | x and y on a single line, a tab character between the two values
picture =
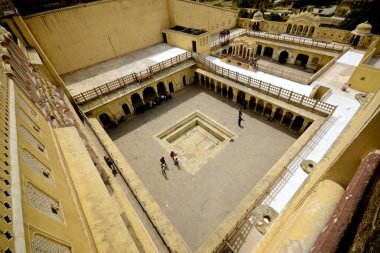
196	203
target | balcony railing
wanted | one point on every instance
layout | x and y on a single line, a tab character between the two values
263	87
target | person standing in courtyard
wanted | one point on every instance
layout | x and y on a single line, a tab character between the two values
240	112
163	170
239	121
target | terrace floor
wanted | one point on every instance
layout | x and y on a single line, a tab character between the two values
88	78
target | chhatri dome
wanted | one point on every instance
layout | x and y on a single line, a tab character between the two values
363	29
258	16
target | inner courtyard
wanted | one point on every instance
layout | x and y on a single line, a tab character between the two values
197	200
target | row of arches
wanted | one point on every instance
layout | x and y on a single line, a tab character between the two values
140	100
260	106
303	30
283	57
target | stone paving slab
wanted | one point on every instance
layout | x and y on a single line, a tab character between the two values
197	204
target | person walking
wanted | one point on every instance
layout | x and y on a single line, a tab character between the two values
240	112
163	162
173	155
176	162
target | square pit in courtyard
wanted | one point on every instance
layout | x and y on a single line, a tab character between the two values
197	138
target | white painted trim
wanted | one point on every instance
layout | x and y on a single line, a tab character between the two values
18	222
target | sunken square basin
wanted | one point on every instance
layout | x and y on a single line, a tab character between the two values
196	138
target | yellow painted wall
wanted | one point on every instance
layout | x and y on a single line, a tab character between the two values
201	16
365	78
80	36
59	188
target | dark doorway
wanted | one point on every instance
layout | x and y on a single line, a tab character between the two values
224	91
126	110
356	41
252	103
105	120
194	44
260	106
268	52
278	114
287	120
149	94
171	87
161	90
301	60
297	123
219	89
136	101
258	51
196	78
283	58
288	28
203	80
230	93
164	38
240	97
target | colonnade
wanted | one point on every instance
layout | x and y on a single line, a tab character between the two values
262	107
300	30
136	101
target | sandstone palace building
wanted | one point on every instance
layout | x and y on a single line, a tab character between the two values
92	95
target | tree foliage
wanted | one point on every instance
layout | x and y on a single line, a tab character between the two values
243	13
274	17
369	12
316	3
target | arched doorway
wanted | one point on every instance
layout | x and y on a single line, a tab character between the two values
185	80
224	51
260	106
196	78
105	120
230	93
136	102
171	87
230	50
287	120
297	123
207	82
252	103
268	109
301	60
288	29
126	110
212	85
268	52
202	80
149	94
224	91
219	88
258	51
161	90
240	97
283	58
278	114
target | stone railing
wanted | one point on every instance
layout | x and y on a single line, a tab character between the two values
304	79
129	79
297	40
264	87
267	88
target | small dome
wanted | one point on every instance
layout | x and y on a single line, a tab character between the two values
317	19
258	16
363	28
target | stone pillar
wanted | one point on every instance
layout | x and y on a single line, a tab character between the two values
234	98
304	125
274	108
